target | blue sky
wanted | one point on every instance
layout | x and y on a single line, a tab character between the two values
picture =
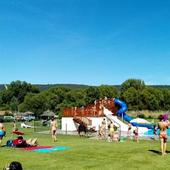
90	42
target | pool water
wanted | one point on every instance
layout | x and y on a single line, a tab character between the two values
150	132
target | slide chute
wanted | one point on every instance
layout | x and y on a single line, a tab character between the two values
122	108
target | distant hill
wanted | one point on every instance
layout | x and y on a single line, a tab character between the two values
71	86
161	86
47	86
77	86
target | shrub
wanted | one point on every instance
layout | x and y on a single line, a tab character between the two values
141	116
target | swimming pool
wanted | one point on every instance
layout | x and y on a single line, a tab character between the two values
150	132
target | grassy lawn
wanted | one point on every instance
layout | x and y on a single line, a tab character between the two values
85	153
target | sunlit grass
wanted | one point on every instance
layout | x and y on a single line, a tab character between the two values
85	153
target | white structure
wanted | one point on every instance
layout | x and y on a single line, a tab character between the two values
69	125
123	127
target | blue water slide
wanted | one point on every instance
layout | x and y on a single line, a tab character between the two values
122	113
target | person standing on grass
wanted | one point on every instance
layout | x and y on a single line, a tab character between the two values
136	135
163	125
103	129
14	126
54	129
2	130
129	129
155	132
111	131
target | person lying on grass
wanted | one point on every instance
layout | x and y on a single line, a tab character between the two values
21	143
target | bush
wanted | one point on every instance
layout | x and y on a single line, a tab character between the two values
150	117
141	116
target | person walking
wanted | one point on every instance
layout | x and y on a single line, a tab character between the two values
54	129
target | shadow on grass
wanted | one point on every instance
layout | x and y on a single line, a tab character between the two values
158	152
155	151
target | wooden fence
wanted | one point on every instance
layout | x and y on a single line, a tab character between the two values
92	110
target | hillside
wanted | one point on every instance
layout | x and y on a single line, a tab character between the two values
47	86
71	86
77	86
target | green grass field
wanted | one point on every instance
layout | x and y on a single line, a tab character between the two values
85	153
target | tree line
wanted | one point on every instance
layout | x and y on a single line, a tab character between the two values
22	96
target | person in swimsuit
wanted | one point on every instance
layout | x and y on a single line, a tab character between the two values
155	132
129	129
102	129
111	131
53	128
163	125
136	134
2	131
14	126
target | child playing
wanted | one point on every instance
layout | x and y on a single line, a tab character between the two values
136	135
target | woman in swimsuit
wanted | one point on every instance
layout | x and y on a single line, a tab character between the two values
163	125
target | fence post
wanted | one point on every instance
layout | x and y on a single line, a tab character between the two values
66	128
34	126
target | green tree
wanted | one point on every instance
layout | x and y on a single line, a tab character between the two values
152	99
166	101
108	91
135	83
91	94
37	103
130	91
17	89
131	98
14	104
